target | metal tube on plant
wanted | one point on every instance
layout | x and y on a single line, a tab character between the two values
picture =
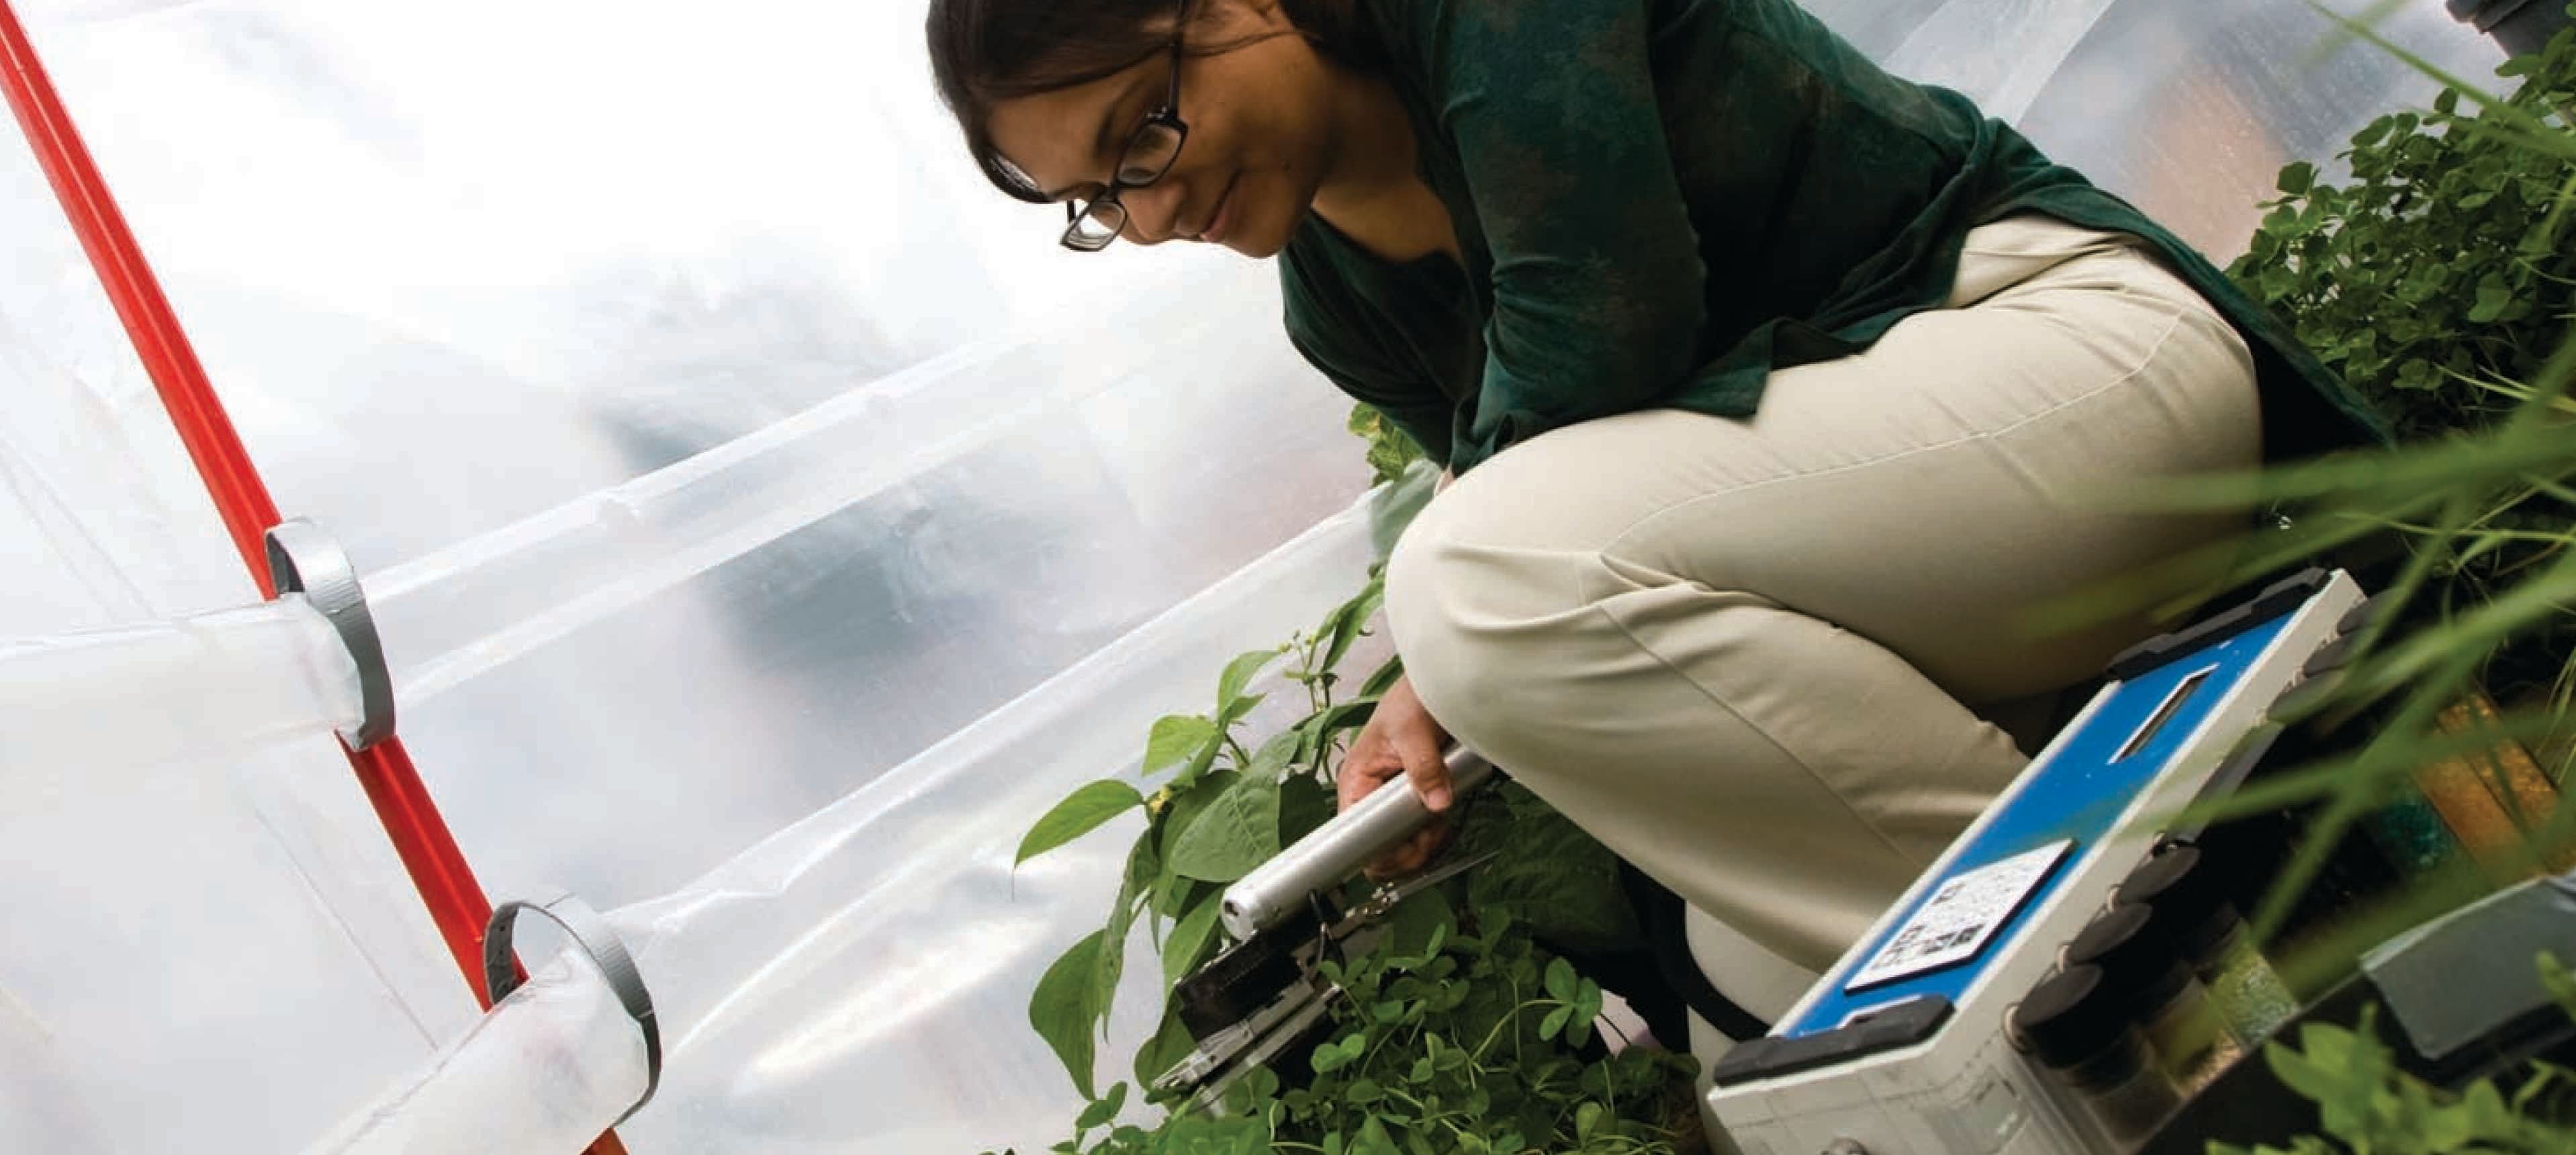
1340	848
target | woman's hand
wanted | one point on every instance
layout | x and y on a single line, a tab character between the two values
1400	739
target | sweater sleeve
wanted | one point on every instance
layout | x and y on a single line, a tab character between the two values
1598	287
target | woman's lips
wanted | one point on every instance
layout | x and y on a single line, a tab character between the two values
1223	222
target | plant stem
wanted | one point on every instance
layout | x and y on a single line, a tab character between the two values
1509	1017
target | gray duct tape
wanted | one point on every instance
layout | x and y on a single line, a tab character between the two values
302	559
606	950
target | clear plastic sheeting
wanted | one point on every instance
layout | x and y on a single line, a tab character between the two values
467	609
706	448
864	975
766	523
2042	33
548	1070
2188	108
213	952
224	683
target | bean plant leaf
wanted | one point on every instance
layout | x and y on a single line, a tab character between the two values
1171	1043
1385	676
1103	1109
1063	1009
1175	739
1175	893
1304	805
1238	831
1238	708
1548	872
1081	812
1238	674
1389	450
1337	720
1349	622
1143	866
1272	759
1190	938
1188	805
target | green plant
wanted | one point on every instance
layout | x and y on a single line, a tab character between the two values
1389	450
1473	1042
2366	1104
2479	495
2438	282
2441	274
1215	807
1218	811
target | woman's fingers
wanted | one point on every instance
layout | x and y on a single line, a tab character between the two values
1412	854
1420	750
1400	739
1369	765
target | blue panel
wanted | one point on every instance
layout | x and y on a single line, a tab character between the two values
2083	790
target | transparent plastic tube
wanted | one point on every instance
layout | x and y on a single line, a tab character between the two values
196	687
460	612
548	1070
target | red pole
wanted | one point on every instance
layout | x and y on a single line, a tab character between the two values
411	820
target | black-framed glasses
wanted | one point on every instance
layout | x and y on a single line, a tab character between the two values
1149	154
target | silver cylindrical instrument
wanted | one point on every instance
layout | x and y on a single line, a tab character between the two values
1340	848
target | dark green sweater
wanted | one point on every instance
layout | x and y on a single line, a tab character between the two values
1661	201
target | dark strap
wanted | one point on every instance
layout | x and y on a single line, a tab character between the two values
1660	914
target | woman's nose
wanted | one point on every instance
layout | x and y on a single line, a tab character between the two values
1151	210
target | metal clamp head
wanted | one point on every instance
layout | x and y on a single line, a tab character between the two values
592	934
302	559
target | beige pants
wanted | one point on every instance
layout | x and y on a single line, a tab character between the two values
1748	654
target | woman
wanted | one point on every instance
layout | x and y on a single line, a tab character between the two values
1769	383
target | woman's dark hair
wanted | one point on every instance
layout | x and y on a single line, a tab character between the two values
983	52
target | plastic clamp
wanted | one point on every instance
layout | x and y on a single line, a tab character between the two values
303	559
608	952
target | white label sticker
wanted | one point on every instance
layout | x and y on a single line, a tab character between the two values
1960	917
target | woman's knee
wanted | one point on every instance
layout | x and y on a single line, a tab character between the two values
1496	633
1467	616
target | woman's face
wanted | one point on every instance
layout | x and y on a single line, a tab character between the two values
1258	133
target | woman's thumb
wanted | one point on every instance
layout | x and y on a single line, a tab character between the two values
1423	765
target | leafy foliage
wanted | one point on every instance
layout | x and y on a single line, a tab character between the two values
2365	1103
2443	272
1389	450
2439	281
2475	363
1449	1041
1472	1042
1218	811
